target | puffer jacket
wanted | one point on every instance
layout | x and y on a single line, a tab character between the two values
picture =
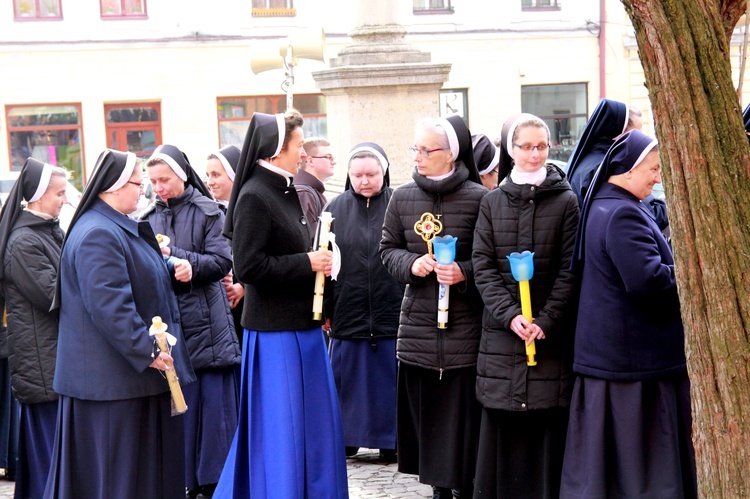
32	258
541	219
363	302
456	201
193	223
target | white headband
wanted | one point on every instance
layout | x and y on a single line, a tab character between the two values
43	183
172	164
643	154
281	124
381	158
225	164
452	137
495	161
126	173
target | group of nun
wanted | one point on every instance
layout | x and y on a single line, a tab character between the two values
604	413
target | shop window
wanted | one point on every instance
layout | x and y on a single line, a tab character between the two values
273	8
235	114
52	133
119	9
133	127
36	10
564	108
432	7
540	5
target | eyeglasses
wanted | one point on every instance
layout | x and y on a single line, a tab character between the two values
137	184
425	153
329	157
529	148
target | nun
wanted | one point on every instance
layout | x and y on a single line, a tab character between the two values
630	421
487	159
192	221
115	434
220	170
437	410
289	440
363	304
525	408
30	242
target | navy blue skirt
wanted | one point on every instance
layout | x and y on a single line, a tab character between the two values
366	384
210	423
629	439
9	421
118	449
35	442
289	441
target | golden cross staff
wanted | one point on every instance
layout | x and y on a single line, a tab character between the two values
427	227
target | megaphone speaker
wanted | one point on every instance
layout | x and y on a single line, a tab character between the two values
306	44
264	57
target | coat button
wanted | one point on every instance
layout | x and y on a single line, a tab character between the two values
533	187
531	201
523	405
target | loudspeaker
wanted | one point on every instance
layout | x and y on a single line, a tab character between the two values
306	44
265	57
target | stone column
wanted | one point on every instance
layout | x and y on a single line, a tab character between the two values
377	88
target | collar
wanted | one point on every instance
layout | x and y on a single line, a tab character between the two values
275	169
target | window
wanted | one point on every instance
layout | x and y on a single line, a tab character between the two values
454	102
540	5
51	133
35	10
277	8
133	127
235	113
123	9
432	7
564	108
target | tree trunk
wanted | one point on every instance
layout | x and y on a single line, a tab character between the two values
684	49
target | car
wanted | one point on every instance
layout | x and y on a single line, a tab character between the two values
73	196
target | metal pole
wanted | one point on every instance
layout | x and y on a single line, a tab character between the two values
290	76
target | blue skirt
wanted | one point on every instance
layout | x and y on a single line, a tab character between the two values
9	420
366	384
210	423
289	441
36	438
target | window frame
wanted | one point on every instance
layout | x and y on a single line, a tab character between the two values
36	17
268	11
278	105
122	128
123	14
554	5
447	8
78	182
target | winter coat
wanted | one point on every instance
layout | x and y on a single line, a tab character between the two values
541	219
193	223
113	281
456	201
629	325
270	245
363	302
32	257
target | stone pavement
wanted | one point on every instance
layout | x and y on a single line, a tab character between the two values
369	478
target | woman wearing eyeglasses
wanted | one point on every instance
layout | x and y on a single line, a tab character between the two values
437	411
525	408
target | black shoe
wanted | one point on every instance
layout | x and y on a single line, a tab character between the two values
192	492
351	451
441	493
387	455
462	493
207	490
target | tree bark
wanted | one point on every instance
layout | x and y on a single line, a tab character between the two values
684	49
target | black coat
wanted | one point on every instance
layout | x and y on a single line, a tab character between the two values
420	342
629	325
364	301
270	245
541	219
193	223
32	258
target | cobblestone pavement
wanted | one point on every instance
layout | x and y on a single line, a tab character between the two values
369	478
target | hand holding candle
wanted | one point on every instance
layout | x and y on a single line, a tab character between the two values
445	254
324	229
159	331
522	268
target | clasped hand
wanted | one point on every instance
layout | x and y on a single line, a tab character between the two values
321	260
527	331
446	274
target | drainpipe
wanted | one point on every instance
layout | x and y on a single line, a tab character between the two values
602	49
